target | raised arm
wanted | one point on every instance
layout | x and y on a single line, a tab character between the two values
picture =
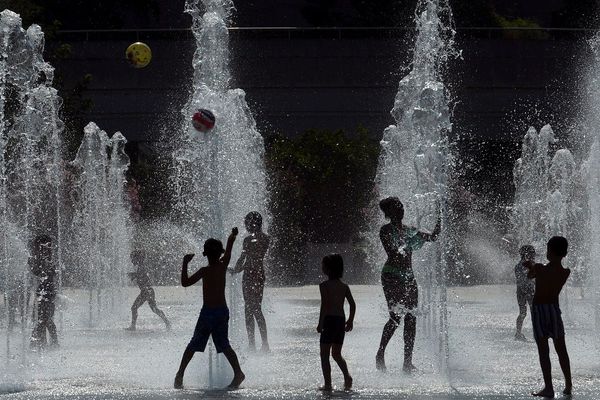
432	237
239	265
227	256
350	322
532	268
189	280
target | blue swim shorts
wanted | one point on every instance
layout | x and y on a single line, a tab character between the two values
215	322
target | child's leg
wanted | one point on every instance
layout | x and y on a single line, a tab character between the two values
563	357
521	317
250	324
325	365
260	318
393	289
49	312
386	335
238	375
157	311
38	336
185	360
336	353
137	303
544	354
410	332
262	327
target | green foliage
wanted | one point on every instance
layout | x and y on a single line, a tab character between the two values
530	28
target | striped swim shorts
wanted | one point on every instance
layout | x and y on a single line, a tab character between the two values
547	321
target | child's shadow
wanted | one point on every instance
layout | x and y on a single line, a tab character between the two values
207	393
338	394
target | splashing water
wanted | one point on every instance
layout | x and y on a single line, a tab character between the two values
415	160
591	174
546	204
531	178
101	230
220	174
30	168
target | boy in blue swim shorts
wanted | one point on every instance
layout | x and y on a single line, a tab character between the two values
214	316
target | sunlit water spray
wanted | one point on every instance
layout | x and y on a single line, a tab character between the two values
220	174
30	171
415	162
592	180
101	231
546	203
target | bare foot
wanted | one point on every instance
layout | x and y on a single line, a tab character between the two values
520	337
237	381
380	362
568	390
265	348
409	368
545	392
130	328
178	383
348	383
326	388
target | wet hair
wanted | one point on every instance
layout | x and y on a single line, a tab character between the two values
333	266
391	205
527	250
558	245
253	219
213	248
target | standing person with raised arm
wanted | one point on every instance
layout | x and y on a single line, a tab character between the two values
398	280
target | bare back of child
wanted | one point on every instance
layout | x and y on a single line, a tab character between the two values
332	319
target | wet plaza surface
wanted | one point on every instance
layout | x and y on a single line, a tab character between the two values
485	362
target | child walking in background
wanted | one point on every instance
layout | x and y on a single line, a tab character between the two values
214	316
545	313
332	319
141	278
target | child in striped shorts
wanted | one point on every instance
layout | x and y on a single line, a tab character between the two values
545	313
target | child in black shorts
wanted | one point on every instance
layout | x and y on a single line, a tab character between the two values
332	320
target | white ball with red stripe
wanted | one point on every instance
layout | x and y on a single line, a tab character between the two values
203	120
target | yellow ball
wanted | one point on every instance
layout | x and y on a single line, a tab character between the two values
138	54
